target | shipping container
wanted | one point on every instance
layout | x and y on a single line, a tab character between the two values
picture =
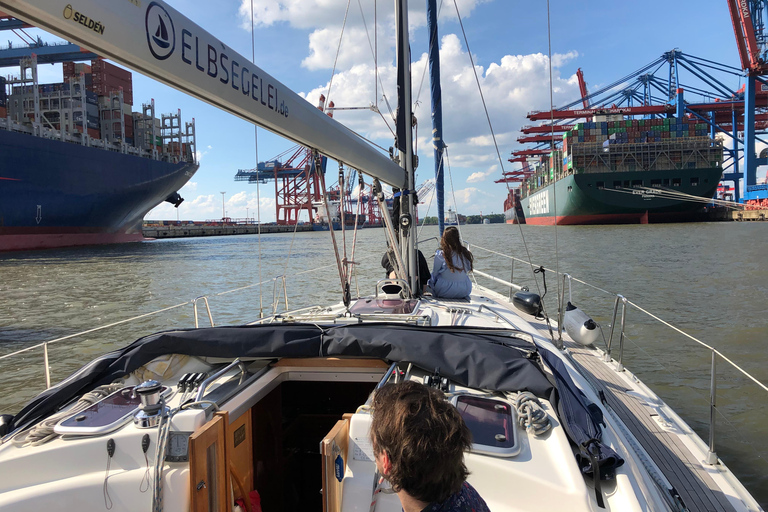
3	111
128	126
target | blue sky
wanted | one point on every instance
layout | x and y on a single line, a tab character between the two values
296	41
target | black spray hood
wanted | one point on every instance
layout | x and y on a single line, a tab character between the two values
492	359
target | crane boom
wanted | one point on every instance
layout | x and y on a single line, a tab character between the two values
582	88
588	112
737	30
158	41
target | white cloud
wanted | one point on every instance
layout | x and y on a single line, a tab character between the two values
467	195
511	87
325	20
200	154
479	176
190	187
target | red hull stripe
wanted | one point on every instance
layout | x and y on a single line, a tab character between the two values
616	218
29	242
9	179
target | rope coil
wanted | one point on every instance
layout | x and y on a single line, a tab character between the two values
530	414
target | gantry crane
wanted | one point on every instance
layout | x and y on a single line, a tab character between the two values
657	90
752	42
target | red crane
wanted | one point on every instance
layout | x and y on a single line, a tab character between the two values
582	88
745	21
548	128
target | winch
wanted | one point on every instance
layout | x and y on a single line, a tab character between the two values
152	407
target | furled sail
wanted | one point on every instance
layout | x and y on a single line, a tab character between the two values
158	41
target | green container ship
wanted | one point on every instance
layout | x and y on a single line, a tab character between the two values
622	172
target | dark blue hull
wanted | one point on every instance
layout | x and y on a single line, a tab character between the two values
55	194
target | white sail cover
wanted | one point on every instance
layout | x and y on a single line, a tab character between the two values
156	40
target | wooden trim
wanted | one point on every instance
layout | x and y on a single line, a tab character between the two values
331	362
207	468
334	444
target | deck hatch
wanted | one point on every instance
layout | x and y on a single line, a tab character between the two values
492	423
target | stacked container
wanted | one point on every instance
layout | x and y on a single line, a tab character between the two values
108	78
636	144
3	98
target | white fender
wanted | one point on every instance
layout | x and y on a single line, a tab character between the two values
579	326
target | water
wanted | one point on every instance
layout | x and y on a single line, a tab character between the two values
707	279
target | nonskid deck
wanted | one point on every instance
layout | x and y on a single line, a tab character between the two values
686	471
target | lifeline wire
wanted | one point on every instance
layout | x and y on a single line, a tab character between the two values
495	143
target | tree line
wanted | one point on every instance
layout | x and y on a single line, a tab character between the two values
495	218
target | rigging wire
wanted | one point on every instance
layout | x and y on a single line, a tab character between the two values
495	142
554	155
424	73
336	59
316	163
258	191
351	269
453	192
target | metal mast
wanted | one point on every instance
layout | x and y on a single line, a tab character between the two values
404	142
437	110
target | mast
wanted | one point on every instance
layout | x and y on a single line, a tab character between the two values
404	143
437	110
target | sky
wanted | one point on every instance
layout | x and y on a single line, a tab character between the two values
296	41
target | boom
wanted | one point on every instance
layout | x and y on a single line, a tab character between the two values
158	41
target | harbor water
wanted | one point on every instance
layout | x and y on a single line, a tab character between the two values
708	279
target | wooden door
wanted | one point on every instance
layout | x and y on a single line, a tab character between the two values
207	467
239	455
334	448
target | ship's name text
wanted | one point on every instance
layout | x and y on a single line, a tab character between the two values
229	71
538	204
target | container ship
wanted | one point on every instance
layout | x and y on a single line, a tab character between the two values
621	172
77	165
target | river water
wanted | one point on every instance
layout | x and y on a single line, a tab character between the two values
709	279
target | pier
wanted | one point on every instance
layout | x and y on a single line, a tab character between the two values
186	229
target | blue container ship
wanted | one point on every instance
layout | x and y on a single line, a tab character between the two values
63	184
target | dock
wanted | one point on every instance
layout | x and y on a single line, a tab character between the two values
727	214
187	230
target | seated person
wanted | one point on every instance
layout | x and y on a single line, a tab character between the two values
418	442
388	263
449	272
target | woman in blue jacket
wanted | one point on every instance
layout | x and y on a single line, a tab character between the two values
452	262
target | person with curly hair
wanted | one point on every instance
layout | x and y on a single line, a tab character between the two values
419	440
449	278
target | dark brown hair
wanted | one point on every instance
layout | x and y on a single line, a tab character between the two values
424	437
450	243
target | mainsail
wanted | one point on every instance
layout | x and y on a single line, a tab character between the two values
158	41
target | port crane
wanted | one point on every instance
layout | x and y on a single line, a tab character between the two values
299	184
46	53
684	86
752	42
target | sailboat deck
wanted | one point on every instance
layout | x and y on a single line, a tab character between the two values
683	469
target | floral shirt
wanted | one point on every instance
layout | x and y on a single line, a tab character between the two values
466	500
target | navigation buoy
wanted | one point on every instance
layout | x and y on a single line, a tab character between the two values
579	326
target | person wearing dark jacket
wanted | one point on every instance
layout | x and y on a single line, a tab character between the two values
419	440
